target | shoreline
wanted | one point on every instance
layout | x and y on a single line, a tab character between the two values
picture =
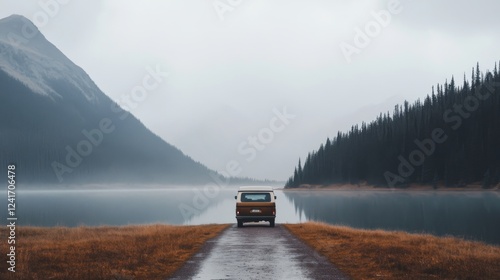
371	254
411	187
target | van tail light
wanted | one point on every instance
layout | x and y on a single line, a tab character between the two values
274	212
237	212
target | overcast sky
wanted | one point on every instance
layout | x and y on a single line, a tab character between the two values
233	64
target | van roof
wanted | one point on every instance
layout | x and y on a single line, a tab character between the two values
255	188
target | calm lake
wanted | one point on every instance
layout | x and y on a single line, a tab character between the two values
472	215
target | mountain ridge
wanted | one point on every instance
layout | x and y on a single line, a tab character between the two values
20	37
58	126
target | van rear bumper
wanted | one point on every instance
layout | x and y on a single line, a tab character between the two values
255	218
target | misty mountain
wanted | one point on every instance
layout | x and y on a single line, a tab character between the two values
56	125
451	139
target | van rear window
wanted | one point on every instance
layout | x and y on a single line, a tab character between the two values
255	197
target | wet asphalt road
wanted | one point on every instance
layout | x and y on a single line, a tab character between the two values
257	251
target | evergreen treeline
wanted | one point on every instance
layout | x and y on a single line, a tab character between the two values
450	138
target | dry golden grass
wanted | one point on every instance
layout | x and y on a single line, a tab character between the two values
129	252
376	254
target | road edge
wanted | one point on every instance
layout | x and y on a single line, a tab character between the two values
191	266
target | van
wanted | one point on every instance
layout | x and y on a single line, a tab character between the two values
255	204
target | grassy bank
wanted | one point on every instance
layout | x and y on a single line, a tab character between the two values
364	254
129	252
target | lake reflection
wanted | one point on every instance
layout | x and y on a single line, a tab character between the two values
474	215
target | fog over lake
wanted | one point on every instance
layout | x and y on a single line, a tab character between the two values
472	215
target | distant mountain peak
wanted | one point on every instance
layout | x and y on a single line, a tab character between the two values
60	127
16	19
21	43
17	29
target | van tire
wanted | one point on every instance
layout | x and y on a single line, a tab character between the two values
240	223
271	222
